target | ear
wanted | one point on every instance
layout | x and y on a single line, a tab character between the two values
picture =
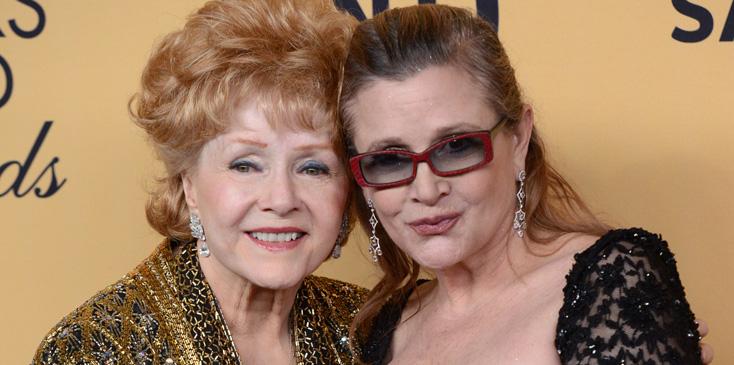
366	194
521	137
189	189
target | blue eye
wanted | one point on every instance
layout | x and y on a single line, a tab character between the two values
314	168
244	166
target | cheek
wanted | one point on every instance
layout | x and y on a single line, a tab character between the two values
224	201
491	196
486	189
389	202
326	204
389	208
494	184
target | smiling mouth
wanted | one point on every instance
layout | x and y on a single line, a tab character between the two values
280	241
276	237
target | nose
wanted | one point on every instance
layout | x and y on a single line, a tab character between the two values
428	188
278	195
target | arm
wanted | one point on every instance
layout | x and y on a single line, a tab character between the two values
707	351
625	301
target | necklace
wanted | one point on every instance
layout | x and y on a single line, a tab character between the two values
294	334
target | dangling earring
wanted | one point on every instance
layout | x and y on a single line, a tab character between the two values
197	231
519	224
374	248
337	251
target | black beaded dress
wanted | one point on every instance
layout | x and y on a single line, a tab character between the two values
623	304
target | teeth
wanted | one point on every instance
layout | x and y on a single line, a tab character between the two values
276	237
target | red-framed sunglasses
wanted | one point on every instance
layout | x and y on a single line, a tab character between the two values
452	156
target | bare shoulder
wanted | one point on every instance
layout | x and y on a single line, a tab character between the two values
561	252
574	243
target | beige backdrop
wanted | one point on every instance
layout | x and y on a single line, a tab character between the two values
639	122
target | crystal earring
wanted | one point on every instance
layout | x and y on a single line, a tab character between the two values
197	231
519	224
374	248
337	251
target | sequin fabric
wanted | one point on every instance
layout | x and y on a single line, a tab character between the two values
623	304
164	312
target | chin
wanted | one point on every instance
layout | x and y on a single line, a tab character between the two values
279	276
436	263
277	282
437	255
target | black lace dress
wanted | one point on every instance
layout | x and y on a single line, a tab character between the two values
623	304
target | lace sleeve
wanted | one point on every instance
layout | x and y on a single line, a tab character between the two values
624	304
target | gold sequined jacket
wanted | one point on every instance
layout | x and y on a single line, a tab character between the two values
164	312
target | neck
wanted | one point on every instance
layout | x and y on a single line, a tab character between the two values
483	276
255	316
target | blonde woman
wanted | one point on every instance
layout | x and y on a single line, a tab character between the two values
240	107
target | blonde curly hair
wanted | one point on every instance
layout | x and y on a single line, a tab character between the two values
285	54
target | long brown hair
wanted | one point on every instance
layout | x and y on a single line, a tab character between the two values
396	45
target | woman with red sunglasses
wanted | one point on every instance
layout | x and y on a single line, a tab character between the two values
455	179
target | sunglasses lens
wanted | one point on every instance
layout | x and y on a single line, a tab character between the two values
458	154
385	168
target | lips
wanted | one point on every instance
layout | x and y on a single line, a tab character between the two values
435	225
277	238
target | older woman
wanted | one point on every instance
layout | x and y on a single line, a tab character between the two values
240	106
455	179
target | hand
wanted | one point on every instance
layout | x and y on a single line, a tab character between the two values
707	352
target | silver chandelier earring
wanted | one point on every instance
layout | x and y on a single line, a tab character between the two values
519	224
197	231
337	251
374	248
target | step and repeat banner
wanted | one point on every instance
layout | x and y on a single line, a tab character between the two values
634	98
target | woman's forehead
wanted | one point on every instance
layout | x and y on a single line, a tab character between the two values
249	125
260	129
427	106
281	114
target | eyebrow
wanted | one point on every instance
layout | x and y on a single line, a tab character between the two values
440	134
384	143
306	147
315	146
250	142
444	132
